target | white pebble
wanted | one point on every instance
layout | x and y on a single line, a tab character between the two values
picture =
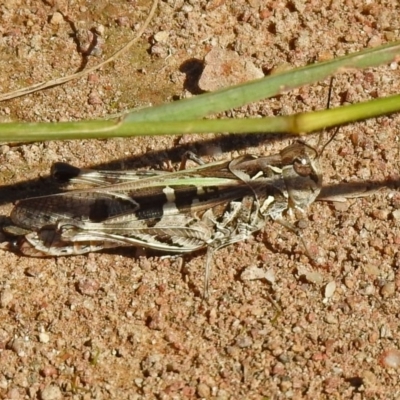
51	392
44	337
161	37
330	289
56	19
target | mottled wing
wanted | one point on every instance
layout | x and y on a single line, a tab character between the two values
64	172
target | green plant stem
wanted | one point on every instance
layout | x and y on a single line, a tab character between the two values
297	124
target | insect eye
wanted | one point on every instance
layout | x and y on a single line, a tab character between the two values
302	167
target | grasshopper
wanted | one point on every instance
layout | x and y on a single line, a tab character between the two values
209	206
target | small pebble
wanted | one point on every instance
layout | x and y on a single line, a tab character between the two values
159	50
94	98
49	370
123	21
6	298
244	341
34	271
330	319
388	289
311	276
371	269
138	382
3	382
51	392
369	290
349	282
56	19
4	149
187	8
161	37
13	394
89	287
369	379
203	391
100	29
390	358
225	68
254	273
341	205
156	320
396	215
18	346
330	289
381	214
44	337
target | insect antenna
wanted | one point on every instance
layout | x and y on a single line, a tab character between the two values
328	104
